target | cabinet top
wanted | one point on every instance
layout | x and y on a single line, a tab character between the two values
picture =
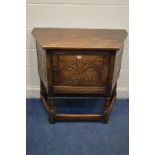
65	38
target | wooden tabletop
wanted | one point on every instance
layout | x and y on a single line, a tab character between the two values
58	38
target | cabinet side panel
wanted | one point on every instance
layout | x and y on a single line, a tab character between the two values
117	66
50	72
111	66
42	67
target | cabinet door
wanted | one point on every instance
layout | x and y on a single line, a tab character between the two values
80	70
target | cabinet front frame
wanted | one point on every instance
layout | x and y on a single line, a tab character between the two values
58	90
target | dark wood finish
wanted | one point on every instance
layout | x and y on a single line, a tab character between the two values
78	62
75	117
51	110
79	90
55	38
42	66
109	101
81	70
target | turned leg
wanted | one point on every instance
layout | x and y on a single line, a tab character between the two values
51	110
108	104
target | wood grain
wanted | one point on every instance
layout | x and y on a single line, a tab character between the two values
42	67
79	90
79	117
79	62
80	70
55	38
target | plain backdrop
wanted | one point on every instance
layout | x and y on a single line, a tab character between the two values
112	14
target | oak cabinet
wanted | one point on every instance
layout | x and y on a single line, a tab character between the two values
79	62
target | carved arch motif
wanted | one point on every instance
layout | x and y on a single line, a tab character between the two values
81	72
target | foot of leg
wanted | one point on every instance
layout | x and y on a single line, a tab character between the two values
106	118
51	119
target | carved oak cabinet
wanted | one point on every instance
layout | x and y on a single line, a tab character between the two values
79	62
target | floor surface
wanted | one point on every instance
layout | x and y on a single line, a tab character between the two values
77	138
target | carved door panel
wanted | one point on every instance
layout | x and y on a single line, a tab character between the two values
80	70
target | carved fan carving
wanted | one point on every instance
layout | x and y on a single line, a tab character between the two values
81	73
